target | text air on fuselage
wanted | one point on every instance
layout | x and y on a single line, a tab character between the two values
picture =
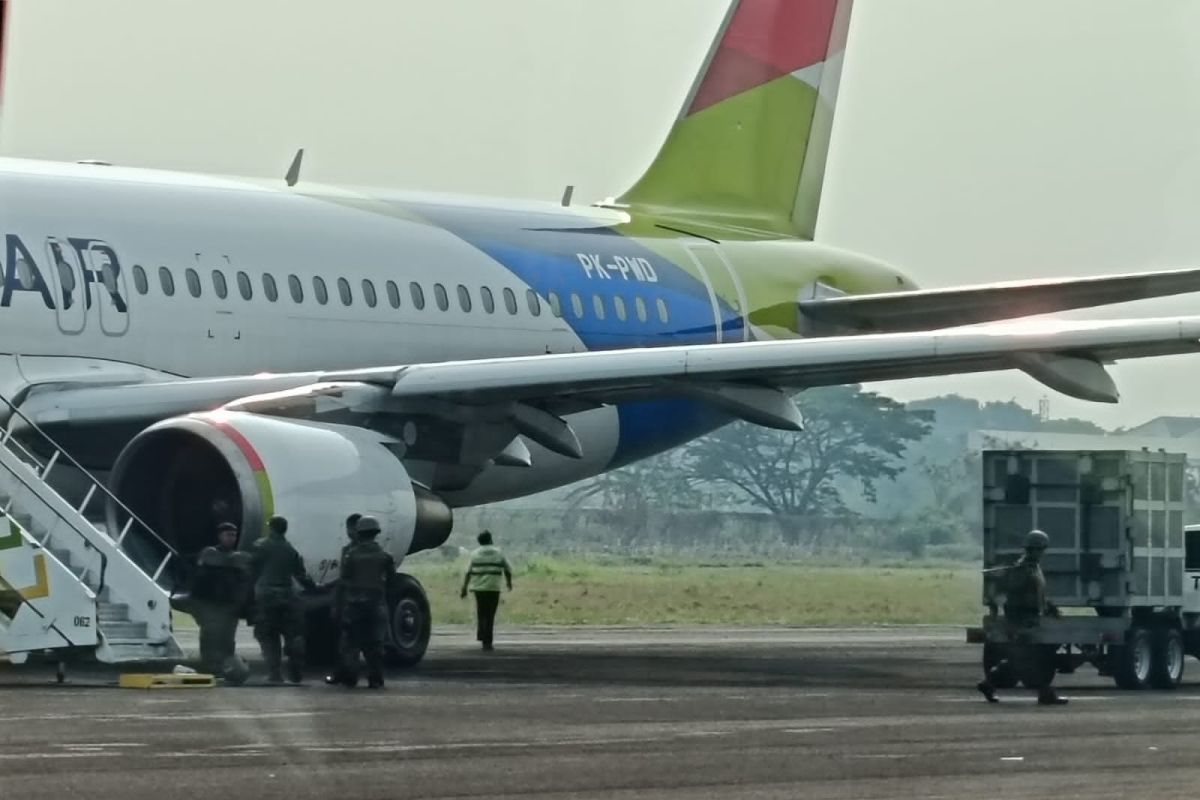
78	264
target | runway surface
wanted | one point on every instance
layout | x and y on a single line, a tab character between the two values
611	713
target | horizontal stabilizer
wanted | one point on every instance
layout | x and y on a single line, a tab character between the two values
967	305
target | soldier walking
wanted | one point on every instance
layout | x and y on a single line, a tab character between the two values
278	613
488	564
1024	607
361	605
218	596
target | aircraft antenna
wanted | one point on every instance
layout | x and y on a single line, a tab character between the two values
293	173
567	192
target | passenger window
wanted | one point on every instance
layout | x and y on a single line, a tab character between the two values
663	316
369	295
555	304
25	274
510	301
577	305
167	280
244	287
598	306
535	302
220	285
619	305
489	302
269	287
641	308
464	298
344	291
139	280
320	290
393	293
418	295
193	281
440	296
296	288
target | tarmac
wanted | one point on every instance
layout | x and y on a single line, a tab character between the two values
725	713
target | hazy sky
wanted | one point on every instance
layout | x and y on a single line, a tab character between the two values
975	140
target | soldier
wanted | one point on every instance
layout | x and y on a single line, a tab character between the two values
219	593
1024	606
483	578
335	677
351	532
361	605
276	564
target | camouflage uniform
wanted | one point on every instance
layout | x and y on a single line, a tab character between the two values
277	612
1024	606
362	606
218	596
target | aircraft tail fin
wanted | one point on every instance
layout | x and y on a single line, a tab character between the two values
747	153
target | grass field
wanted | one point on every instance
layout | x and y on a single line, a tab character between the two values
558	592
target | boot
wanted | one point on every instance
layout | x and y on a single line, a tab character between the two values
988	691
1049	697
295	674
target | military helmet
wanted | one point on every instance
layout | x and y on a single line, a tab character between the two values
1036	540
366	526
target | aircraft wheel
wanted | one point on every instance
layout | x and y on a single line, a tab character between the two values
409	622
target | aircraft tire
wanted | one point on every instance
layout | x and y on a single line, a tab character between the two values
409	622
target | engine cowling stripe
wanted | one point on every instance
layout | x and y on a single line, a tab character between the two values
256	465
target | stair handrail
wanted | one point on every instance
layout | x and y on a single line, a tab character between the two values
59	451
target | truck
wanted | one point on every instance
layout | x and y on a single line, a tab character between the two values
1122	569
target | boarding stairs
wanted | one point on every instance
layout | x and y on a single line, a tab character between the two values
66	585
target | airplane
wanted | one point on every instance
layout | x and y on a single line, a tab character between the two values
222	348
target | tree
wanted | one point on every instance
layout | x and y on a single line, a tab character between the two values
850	437
632	492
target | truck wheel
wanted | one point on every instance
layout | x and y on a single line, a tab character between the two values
1166	662
1006	676
1132	661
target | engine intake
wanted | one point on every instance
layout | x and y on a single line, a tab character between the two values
184	475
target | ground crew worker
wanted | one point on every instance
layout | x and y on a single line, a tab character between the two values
361	605
218	595
1024	606
483	578
278	613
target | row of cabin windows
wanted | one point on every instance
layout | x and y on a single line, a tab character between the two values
441	298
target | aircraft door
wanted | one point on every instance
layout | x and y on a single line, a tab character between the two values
725	291
109	289
67	285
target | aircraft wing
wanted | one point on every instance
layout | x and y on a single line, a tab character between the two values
531	394
967	305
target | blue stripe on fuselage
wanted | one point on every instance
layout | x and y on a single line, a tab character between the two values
550	259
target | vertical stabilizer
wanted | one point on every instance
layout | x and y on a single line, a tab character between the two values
748	151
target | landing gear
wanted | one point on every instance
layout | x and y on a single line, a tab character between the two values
409	626
410	622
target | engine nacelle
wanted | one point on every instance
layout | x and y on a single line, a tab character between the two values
184	475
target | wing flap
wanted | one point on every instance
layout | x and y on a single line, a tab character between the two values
928	309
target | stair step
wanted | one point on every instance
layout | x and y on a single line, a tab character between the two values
123	631
112	612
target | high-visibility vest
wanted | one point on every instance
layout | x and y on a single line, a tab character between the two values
487	569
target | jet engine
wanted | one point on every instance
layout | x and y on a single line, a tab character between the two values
184	475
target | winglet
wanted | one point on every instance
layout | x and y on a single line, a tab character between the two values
293	173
